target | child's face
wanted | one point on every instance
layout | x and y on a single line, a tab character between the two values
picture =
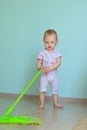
50	42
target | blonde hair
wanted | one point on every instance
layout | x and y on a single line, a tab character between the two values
50	32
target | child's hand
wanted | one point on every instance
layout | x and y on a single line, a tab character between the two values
45	70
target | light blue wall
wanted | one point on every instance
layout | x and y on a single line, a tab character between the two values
22	24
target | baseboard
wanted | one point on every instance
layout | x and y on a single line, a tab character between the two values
48	98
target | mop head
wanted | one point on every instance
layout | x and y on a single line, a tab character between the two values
20	120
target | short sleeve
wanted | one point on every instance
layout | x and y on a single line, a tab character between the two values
58	54
40	56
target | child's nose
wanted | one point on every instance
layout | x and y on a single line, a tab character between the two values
49	43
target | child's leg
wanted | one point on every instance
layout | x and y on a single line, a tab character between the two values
43	89
54	84
55	101
42	100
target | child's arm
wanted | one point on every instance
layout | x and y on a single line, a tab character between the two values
55	66
47	70
39	64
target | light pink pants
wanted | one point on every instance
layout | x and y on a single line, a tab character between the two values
49	79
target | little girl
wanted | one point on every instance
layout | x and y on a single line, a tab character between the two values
49	60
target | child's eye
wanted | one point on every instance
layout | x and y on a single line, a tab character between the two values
46	42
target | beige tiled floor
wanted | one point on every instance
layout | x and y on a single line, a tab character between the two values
52	118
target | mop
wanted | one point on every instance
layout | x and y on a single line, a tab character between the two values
6	119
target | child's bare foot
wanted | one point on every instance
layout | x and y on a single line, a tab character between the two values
58	106
41	107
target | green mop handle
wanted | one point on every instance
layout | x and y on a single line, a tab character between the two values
23	92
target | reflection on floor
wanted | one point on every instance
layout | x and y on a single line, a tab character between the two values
52	118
